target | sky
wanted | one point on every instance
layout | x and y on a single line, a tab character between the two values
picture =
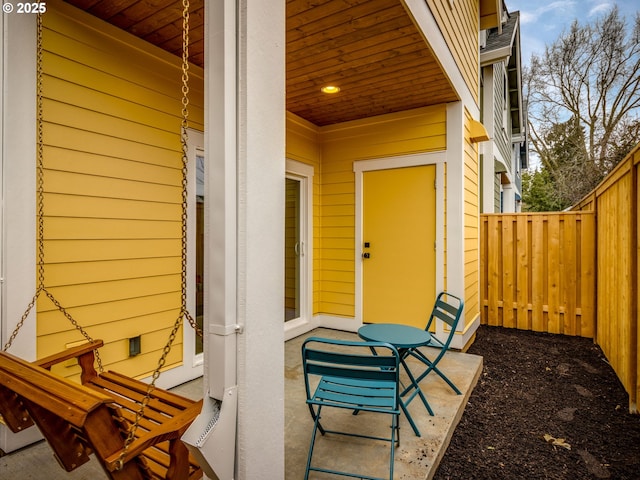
543	21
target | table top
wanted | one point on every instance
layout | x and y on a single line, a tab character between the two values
400	336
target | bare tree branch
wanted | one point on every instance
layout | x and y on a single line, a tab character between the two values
583	98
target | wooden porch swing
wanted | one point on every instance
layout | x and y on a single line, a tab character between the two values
132	427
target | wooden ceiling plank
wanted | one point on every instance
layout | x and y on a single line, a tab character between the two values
340	37
344	59
169	15
143	13
106	10
372	107
348	19
169	37
141	21
360	63
355	89
357	41
391	74
83	4
302	14
403	81
294	7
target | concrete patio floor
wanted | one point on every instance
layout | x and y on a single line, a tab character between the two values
416	457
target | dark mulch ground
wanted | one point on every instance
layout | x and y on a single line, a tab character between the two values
533	385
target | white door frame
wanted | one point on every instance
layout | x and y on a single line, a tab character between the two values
421	159
304	173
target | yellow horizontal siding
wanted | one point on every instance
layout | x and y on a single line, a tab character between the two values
340	276
83	118
105	271
105	92
120	329
91	164
388	135
140	366
337	309
67	251
471	226
50	321
107	146
70	183
459	25
60	228
93	207
302	140
112	182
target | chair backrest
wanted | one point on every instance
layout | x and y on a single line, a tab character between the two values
447	308
352	361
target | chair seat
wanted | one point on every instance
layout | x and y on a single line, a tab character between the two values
368	395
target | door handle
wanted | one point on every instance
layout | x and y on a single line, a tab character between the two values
366	255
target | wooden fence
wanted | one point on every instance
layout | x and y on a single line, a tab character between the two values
538	271
615	202
574	273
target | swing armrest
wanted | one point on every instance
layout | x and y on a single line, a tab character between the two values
172	429
68	354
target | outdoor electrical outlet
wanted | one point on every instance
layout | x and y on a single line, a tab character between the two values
134	346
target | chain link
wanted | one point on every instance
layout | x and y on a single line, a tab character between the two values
40	207
40	153
184	137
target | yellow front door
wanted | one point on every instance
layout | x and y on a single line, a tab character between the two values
398	250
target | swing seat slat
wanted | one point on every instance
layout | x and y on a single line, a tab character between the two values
94	417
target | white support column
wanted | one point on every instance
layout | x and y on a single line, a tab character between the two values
508	198
18	188
245	143
455	201
261	171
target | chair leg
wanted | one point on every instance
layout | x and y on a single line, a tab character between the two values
316	426
431	367
315	416
414	384
411	422
394	431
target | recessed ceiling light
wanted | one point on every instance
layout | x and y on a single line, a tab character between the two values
330	89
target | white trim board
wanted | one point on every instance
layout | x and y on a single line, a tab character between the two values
414	160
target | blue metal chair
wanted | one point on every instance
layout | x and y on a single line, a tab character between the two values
447	308
351	377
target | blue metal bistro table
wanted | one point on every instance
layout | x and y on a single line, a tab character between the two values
403	337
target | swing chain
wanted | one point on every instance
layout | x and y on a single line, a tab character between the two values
40	152
184	141
183	308
40	207
14	334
